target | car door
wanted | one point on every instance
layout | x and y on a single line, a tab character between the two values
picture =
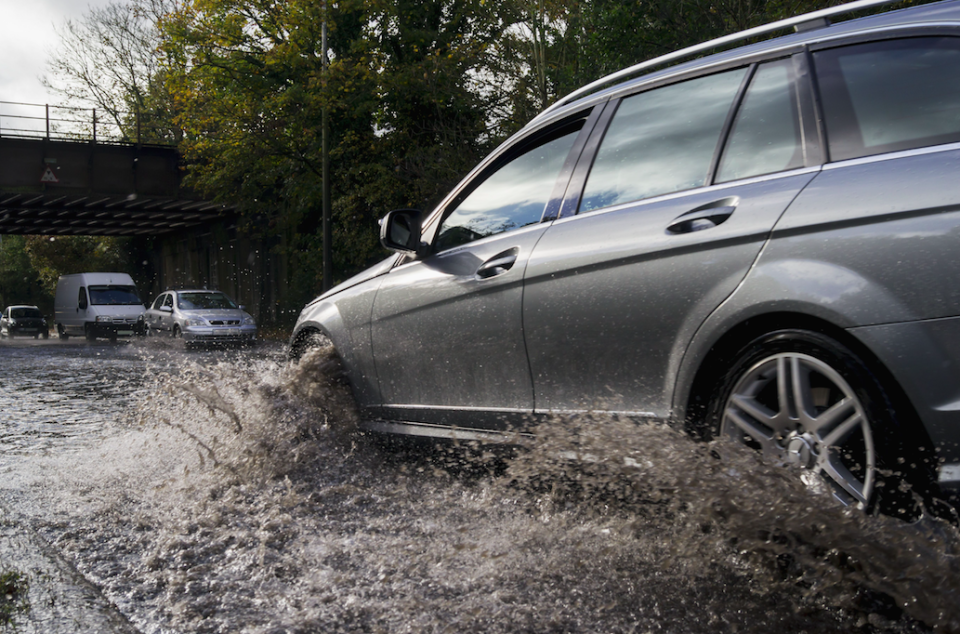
669	222
447	331
167	316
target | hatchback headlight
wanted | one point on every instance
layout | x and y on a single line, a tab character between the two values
197	321
248	321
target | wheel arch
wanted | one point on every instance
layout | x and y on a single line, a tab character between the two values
324	318
691	404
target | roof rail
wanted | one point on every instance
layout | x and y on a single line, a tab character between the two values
814	19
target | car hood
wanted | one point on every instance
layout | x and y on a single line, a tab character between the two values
227	313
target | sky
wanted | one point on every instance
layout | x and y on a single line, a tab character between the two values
27	39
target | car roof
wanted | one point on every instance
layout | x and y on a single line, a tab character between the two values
20	306
625	80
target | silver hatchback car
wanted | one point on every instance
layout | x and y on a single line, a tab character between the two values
199	316
762	244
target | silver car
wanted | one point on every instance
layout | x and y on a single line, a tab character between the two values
199	316
762	244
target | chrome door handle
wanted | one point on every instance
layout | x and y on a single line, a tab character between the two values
700	219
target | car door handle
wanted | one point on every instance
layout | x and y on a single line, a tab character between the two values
700	219
498	264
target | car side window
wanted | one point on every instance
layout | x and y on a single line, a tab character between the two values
890	95
765	137
82	298
157	302
168	300
661	141
513	196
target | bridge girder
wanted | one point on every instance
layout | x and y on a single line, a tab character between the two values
57	187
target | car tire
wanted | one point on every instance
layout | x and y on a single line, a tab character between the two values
90	334
61	333
805	399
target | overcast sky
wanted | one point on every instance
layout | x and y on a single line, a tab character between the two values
27	38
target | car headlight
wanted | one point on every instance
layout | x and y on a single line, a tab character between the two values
248	321
104	318
13	322
197	321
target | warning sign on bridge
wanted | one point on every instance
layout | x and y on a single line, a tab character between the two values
49	176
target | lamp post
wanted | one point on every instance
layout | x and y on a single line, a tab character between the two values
325	164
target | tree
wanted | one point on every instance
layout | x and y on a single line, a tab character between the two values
109	59
51	257
407	118
19	282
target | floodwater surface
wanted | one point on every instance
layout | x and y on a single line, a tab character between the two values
222	491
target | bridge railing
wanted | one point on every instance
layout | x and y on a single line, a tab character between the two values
45	121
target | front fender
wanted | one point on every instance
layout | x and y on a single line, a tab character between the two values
344	317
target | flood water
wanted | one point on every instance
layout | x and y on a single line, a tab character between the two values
229	491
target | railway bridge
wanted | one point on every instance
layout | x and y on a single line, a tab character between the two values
63	172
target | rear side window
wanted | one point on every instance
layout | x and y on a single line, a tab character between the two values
661	141
766	133
890	95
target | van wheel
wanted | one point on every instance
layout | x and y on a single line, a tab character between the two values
806	400
60	332
90	334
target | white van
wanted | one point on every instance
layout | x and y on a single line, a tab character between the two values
98	305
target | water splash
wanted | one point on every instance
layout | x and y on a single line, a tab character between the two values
241	498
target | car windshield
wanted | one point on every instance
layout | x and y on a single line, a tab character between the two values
111	294
201	301
22	313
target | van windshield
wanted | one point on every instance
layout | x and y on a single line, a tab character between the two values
114	295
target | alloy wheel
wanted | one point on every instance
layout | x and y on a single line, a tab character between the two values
798	410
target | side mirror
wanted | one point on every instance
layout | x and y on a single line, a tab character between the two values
166	309
400	231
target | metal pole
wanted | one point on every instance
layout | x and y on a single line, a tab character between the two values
48	120
94	125
325	166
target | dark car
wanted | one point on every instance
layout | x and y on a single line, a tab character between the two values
23	321
762	244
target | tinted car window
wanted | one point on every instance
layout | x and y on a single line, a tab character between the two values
114	294
766	133
661	141
512	197
891	95
158	302
23	313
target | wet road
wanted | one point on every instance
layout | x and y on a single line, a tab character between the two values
147	488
